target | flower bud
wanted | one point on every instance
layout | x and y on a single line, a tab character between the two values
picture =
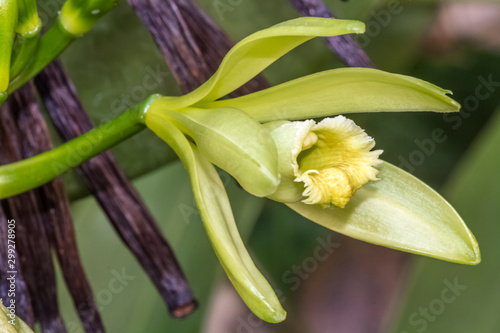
325	163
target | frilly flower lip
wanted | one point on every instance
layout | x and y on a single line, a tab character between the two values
331	159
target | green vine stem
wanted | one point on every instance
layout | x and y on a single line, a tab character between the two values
50	46
27	174
76	18
27	35
8	22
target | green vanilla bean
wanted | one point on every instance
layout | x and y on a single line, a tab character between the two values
27	35
8	22
76	18
27	174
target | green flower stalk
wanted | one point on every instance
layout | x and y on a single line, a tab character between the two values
326	171
8	22
27	35
75	18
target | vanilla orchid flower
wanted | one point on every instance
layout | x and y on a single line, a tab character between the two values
325	171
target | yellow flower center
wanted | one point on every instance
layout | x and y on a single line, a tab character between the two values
335	161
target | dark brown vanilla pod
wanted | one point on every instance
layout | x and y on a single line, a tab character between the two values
19	294
191	42
344	46
32	242
116	195
62	237
54	210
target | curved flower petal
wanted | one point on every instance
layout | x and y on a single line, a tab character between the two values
219	223
342	91
402	213
253	54
233	141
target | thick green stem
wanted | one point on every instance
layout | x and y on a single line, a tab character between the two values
76	18
50	46
8	22
27	174
27	35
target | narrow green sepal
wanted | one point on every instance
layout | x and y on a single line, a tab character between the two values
253	54
342	91
402	213
217	217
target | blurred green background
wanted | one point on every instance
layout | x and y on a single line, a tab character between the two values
426	39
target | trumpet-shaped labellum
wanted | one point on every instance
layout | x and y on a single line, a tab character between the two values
323	163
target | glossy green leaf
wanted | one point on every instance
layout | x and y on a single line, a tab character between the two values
215	211
402	213
253	54
341	91
233	141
